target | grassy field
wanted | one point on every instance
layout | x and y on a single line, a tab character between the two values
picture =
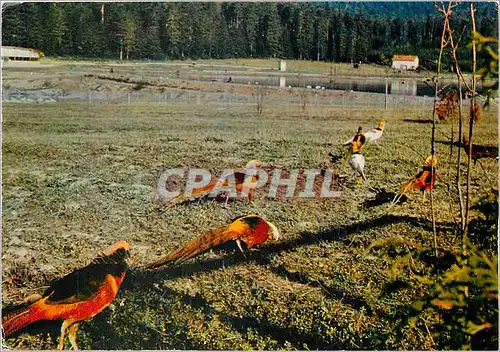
78	177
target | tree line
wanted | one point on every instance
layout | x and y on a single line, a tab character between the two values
307	31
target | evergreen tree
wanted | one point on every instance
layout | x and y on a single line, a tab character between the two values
286	23
321	32
114	26
35	15
270	33
129	39
56	21
364	32
306	33
173	31
148	31
351	38
13	29
224	44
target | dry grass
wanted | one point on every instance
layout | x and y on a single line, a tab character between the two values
78	177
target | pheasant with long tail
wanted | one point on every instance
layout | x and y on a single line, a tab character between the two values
424	180
250	229
479	151
371	135
375	133
240	176
75	297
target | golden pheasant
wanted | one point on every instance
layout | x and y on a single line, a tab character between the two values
479	151
357	142
76	297
358	138
239	179
424	180
250	229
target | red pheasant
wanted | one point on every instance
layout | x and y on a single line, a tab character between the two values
479	151
239	180
424	180
76	297
250	229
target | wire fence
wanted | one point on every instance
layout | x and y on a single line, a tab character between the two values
274	96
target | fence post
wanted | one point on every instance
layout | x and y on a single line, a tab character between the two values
386	92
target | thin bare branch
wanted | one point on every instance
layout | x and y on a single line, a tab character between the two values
444	42
454	48
471	120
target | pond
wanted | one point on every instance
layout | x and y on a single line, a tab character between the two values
396	86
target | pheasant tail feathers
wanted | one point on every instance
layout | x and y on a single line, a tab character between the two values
17	319
208	240
408	185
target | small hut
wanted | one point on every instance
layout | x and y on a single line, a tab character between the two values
405	62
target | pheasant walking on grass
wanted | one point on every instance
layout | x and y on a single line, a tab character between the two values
353	156
370	136
357	163
76	297
424	180
479	151
356	143
375	133
240	176
359	138
250	229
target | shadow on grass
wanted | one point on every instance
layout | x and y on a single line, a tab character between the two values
382	197
422	121
261	325
355	301
457	144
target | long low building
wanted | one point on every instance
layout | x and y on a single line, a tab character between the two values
22	54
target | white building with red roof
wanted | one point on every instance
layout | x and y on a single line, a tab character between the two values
405	62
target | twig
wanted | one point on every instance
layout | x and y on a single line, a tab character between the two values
428	332
485	173
457	70
471	123
444	42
